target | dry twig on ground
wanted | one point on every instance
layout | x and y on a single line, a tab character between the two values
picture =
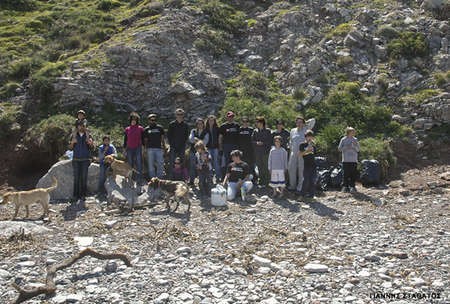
50	287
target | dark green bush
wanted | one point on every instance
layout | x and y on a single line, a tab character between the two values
107	5
379	149
408	45
8	116
18	5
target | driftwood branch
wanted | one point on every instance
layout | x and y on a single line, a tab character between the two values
50	287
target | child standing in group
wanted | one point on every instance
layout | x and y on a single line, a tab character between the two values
81	120
179	172
277	166
307	150
204	168
349	146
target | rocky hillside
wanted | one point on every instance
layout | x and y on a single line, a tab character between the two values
280	57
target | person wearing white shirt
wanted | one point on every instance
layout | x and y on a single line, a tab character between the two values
296	165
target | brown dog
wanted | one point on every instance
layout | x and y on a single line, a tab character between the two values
120	167
179	191
26	198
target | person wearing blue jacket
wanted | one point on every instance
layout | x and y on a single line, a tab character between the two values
81	145
105	149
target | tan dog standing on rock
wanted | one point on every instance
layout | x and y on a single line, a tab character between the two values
120	167
178	190
26	198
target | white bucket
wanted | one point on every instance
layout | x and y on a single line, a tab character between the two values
219	196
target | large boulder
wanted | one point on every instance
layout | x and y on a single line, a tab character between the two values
63	172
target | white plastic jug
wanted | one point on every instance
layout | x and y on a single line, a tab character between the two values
219	196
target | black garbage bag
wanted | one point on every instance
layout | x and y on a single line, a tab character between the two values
336	177
321	163
370	172
323	179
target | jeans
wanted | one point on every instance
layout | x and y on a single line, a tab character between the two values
101	179
192	167
204	182
174	154
350	174
295	169
215	159
309	185
134	159
80	176
233	189
263	170
155	158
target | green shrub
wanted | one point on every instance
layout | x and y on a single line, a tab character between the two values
340	31
223	16
379	149
420	96
328	140
214	42
9	89
344	61
442	79
251	23
8	116
42	81
388	32
251	94
408	45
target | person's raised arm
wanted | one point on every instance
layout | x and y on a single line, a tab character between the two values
310	123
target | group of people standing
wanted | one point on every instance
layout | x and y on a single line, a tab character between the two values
237	155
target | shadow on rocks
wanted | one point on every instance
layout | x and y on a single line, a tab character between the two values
72	211
323	210
285	203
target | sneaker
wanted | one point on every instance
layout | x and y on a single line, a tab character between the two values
243	194
353	190
345	189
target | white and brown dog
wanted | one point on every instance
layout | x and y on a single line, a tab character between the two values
26	198
177	191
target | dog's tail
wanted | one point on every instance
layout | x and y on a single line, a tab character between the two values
54	184
182	190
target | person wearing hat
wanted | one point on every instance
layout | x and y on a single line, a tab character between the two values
81	119
296	162
177	135
228	138
153	140
199	133
133	144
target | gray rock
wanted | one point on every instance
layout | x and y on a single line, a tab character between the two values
261	261
11	228
111	266
63	172
315	268
184	250
122	194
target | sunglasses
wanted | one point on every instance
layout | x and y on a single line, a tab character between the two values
245	121
177	163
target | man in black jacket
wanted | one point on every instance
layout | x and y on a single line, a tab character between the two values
177	135
262	142
246	144
228	138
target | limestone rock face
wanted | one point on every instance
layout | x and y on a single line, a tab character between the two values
63	172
